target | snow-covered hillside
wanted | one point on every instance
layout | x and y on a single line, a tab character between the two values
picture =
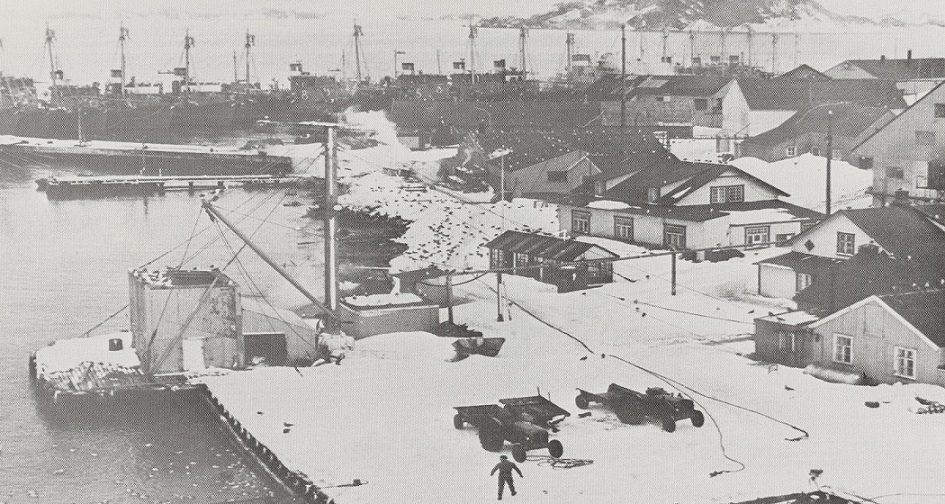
760	15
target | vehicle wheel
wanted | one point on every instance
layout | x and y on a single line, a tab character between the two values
698	419
581	401
458	421
628	414
555	448
518	453
669	425
491	440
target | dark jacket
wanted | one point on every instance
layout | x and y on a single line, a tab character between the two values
505	469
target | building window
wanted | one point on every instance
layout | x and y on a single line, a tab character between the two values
905	362
755	235
925	138
727	194
733	59
940	110
623	228
580	222
846	243
660	98
666	59
701	103
782	238
790	151
894	172
842	349
787	342
803	281
557	176
599	188
715	59
697	61
866	162
674	236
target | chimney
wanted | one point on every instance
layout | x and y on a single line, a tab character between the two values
909	55
882	58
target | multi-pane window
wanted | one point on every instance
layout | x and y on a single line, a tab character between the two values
623	228
803	281
757	234
842	349
727	194
894	172
846	243
783	237
787	342
925	138
674	236
790	151
905	362
940	110
696	61
580	222
701	103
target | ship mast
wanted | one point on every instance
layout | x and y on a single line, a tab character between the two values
53	73
522	34
569	42
122	36
250	41
357	50
473	33
235	75
188	43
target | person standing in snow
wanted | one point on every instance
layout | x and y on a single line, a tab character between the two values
505	474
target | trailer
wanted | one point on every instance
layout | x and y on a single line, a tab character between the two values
522	421
633	407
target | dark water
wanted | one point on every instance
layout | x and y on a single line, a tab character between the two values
63	267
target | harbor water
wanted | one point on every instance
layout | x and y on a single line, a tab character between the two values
63	268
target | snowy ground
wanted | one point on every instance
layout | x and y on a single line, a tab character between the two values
384	415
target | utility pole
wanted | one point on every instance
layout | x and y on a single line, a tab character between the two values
473	33
522	34
498	276
774	51
623	77
50	37
188	43
829	155
330	220
250	41
235	76
122	36
569	43
357	51
439	69
673	275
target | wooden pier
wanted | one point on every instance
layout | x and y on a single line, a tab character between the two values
119	185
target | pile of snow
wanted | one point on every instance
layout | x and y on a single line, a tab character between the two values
66	354
416	345
393	299
804	177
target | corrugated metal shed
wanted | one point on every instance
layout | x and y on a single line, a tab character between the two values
546	247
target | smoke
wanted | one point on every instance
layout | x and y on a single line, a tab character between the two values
378	127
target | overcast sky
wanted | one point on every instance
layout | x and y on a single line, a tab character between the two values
372	8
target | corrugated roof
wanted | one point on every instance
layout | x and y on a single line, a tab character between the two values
924	309
547	247
849	120
799	94
902	69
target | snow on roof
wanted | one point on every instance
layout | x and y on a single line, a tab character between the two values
69	353
608	205
376	300
792	318
795	176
